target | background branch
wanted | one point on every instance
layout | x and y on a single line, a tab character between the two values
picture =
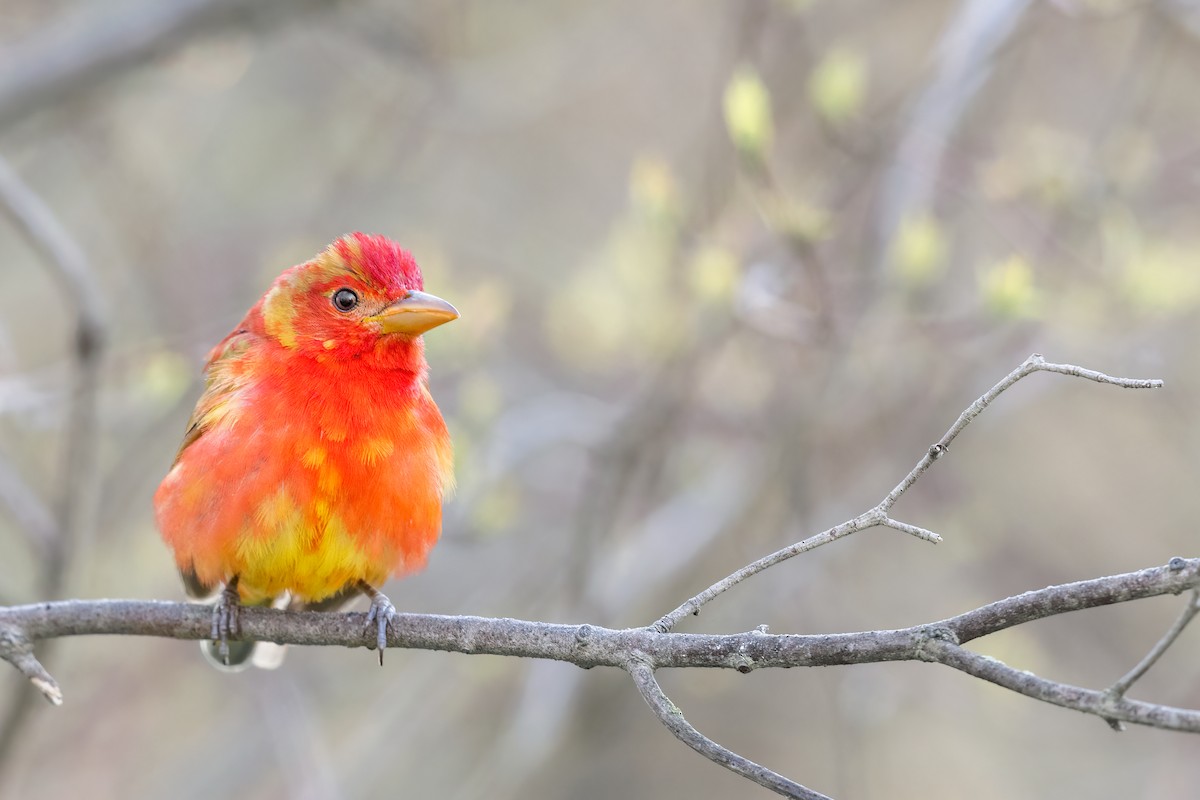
72	58
33	517
56	539
64	259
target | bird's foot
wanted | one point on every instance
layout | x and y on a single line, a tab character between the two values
379	617
226	618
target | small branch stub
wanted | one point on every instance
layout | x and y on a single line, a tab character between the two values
16	649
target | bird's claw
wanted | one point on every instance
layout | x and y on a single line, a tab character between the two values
226	619
380	616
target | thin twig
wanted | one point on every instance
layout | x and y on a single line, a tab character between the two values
878	516
1089	701
670	716
911	530
68	265
1035	363
692	606
66	261
32	517
1118	689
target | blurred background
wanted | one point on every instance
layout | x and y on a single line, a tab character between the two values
725	271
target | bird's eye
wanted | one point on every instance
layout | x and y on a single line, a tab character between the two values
345	299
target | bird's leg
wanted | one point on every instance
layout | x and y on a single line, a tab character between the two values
226	618
380	615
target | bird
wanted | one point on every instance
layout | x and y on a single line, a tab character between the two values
315	463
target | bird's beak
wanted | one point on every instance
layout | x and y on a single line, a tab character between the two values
414	314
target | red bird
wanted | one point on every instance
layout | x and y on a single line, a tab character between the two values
315	463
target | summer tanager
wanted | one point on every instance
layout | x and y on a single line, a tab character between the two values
315	463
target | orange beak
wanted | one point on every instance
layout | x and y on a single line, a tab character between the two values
414	314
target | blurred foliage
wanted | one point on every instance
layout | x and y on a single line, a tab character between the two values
725	271
838	84
748	114
1008	289
919	250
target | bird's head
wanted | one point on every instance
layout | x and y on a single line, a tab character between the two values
361	297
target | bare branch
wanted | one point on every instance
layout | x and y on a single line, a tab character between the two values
966	52
32	516
878	516
1102	704
640	651
1061	599
693	606
1035	363
669	714
64	258
67	264
592	645
911	530
1118	689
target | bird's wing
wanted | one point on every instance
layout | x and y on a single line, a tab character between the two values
222	381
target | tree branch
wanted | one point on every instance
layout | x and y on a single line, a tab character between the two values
67	264
1102	704
669	715
1118	689
58	537
591	645
32	516
640	651
878	516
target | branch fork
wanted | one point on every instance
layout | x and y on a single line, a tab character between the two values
17	649
641	651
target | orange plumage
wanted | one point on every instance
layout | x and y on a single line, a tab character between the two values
316	461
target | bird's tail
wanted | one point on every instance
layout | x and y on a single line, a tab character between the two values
335	602
264	655
240	654
268	655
